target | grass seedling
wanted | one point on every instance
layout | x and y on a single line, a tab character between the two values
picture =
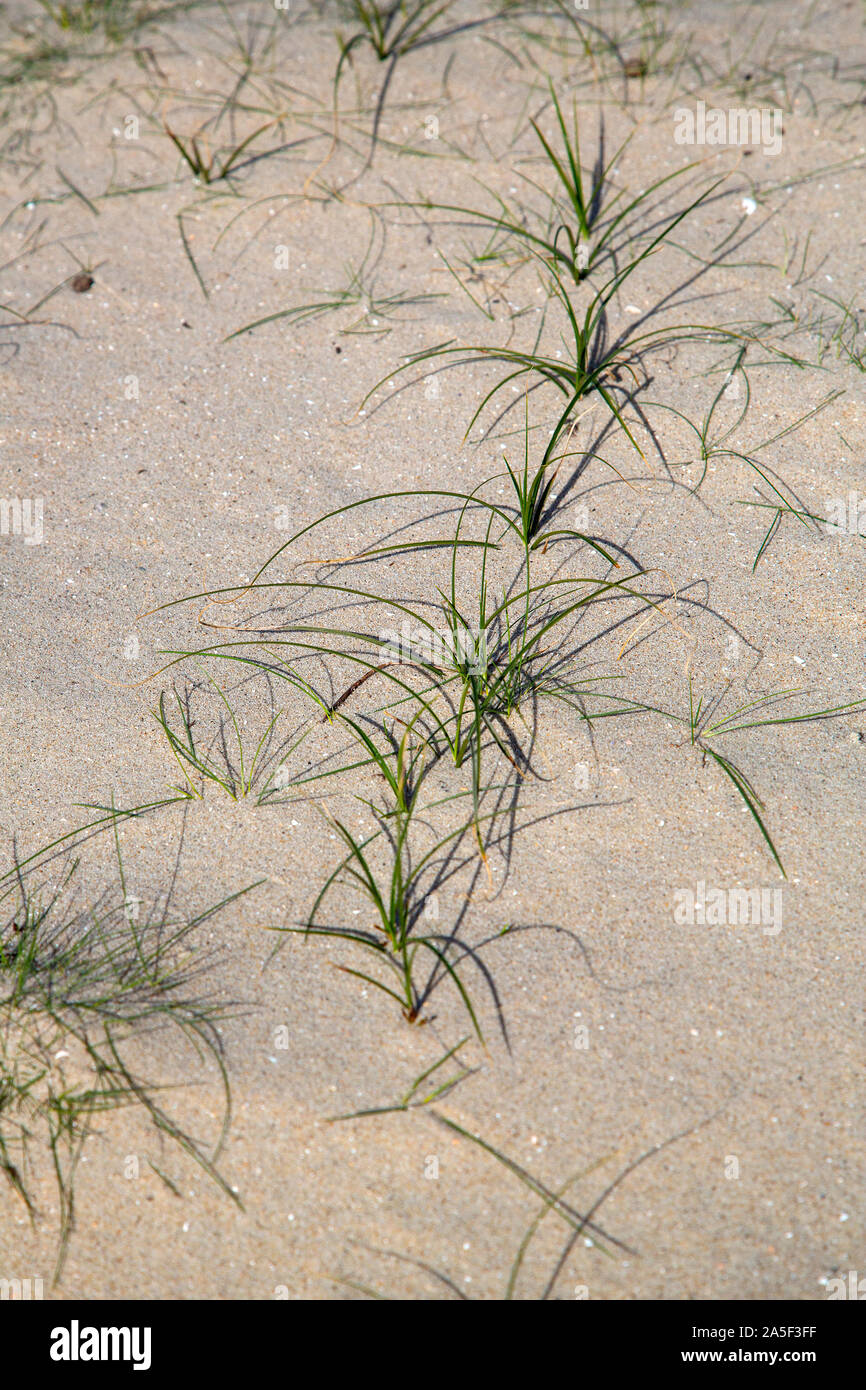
496	658
392	29
83	17
236	778
206	167
783	501
78	982
397	940
593	364
582	219
117	19
709	445
477	666
359	292
704	727
700	737
114	17
780	507
415	1098
532	494
849	334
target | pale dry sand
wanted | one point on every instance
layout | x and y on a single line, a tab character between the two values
748	1045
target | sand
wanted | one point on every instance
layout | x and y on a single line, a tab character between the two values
728	1057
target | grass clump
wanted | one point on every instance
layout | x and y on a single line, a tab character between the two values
593	363
392	29
230	768
401	892
399	938
80	981
117	20
210	167
584	220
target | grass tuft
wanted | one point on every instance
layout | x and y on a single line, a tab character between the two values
80	981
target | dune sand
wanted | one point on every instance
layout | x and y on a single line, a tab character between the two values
172	459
